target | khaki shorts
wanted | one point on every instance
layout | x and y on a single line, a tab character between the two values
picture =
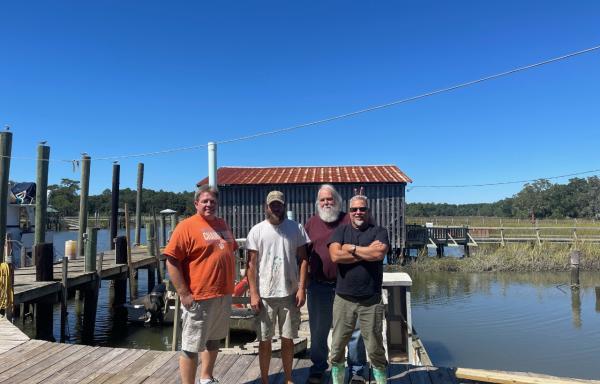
280	310
204	323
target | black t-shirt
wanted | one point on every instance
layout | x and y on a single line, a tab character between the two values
362	279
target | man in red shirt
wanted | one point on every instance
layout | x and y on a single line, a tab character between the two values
200	261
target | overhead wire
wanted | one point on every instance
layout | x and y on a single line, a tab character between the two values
504	182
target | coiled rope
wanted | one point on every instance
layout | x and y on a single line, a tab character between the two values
6	289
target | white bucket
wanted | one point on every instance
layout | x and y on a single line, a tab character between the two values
71	249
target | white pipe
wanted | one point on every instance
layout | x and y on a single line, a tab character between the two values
212	164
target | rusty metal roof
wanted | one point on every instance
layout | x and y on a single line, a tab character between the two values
308	175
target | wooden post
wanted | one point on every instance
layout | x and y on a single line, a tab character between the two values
132	283
176	323
114	210
41	194
83	202
64	298
90	249
163	230
161	267
537	235
138	203
502	242
150	239
43	256
174	220
120	284
574	258
597	291
5	154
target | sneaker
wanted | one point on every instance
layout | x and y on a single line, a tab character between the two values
357	380
211	381
315	378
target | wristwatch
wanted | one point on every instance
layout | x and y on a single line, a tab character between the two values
354	250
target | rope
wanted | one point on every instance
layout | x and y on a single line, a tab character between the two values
6	289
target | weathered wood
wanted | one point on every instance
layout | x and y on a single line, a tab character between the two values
90	249
44	259
5	155
502	377
63	299
114	210
120	284
132	287
163	230
138	204
41	195
83	202
176	323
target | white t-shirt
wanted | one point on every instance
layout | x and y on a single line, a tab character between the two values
277	263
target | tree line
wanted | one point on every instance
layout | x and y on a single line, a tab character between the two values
64	197
579	198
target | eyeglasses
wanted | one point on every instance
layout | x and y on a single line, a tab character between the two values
359	209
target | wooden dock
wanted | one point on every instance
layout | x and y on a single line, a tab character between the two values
23	360
27	289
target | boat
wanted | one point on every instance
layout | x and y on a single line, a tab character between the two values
20	223
158	308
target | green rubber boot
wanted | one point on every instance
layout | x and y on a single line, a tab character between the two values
337	373
380	375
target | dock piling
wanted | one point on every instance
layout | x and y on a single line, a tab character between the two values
138	204
114	207
5	154
120	284
41	194
90	249
63	299
83	202
44	271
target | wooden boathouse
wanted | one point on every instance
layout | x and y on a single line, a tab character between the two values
242	193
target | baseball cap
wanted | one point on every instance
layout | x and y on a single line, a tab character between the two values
275	196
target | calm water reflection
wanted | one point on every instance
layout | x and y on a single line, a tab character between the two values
518	321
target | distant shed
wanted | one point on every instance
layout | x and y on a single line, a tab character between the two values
242	193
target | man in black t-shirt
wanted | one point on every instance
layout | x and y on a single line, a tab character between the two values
358	249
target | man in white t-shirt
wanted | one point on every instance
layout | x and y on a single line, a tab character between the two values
277	269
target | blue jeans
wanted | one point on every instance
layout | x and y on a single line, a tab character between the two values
320	318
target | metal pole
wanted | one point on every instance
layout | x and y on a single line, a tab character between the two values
5	153
138	203
212	164
83	202
41	194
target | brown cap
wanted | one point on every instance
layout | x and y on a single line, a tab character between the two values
275	196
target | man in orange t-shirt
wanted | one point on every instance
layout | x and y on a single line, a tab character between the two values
200	262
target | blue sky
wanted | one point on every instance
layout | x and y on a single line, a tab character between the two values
120	77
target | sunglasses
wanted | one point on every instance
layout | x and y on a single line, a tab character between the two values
359	209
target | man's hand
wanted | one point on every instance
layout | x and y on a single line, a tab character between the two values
186	300
300	298
255	302
378	245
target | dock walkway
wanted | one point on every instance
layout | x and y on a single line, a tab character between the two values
23	360
26	288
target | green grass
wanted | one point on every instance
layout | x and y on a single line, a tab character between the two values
522	257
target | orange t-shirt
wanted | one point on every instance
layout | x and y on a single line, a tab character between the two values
205	250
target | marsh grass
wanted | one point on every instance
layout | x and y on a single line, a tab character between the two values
514	257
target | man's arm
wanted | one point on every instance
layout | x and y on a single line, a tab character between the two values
251	271
176	276
374	252
301	294
342	254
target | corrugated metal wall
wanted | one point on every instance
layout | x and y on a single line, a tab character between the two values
242	206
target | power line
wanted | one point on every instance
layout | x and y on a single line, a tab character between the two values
503	182
355	113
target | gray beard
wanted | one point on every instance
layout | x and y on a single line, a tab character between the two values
328	214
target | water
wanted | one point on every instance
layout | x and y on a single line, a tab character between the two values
517	322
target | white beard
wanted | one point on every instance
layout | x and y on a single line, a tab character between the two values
328	214
358	223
